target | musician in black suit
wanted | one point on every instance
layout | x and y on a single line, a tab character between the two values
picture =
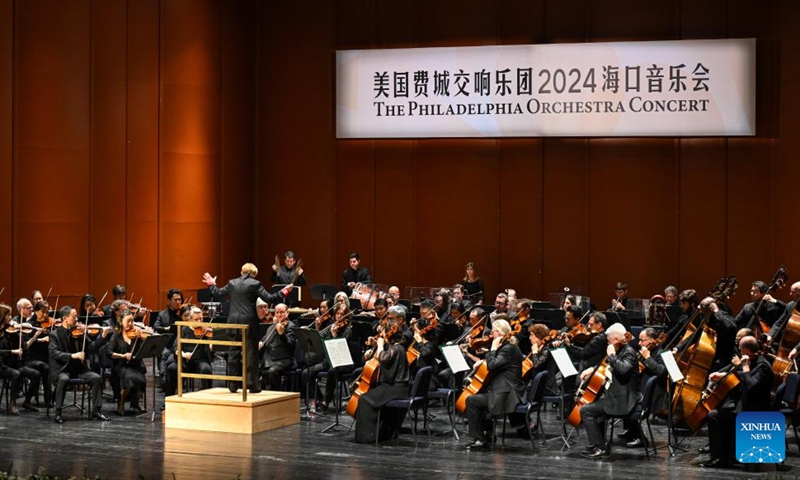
770	311
620	303
354	274
67	361
278	345
289	273
620	394
755	374
243	292
653	366
504	392
780	324
591	354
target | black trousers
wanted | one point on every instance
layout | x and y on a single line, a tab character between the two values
44	372
594	419
235	360
722	432
478	416
91	378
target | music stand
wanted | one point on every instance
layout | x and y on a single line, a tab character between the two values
567	370
311	341
323	291
337	351
151	347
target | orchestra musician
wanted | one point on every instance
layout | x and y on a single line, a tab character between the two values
67	360
670	296
540	356
441	305
500	306
620	302
118	291
504	391
771	307
36	296
165	325
131	373
37	351
243	292
651	365
278	345
393	382
289	273
724	325
780	324
458	293
196	358
24	311
755	374
394	292
688	303
592	353
354	274
339	328
12	364
619	396
316	360
473	285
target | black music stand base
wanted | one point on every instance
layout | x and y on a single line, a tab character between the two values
152	348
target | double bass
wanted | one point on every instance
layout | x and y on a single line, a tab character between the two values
756	324
695	359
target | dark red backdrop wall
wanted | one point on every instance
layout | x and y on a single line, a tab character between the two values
147	141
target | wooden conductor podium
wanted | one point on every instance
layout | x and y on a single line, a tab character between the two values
219	410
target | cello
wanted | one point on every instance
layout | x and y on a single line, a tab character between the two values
478	381
369	377
591	389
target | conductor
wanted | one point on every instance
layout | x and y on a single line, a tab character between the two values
243	292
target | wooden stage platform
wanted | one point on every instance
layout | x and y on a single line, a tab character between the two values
219	410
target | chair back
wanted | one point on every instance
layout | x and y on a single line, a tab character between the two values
792	390
647	396
538	387
419	387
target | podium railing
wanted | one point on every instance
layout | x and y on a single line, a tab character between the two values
202	341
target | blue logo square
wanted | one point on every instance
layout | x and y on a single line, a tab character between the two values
760	437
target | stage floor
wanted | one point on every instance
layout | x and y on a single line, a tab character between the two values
133	447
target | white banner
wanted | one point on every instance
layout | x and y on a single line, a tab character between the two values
672	88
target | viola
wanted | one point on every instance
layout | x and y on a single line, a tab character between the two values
527	362
93	329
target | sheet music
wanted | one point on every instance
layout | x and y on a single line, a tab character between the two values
338	352
672	366
452	354
563	362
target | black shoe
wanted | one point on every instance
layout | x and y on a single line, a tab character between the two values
636	443
523	432
596	452
29	408
255	389
715	463
476	444
59	419
706	449
626	434
101	416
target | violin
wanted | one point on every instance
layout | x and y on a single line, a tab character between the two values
49	322
26	328
93	329
203	332
412	353
337	324
527	362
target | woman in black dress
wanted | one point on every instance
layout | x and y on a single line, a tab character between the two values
393	381
473	285
125	343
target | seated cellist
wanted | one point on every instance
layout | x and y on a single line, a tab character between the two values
620	394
